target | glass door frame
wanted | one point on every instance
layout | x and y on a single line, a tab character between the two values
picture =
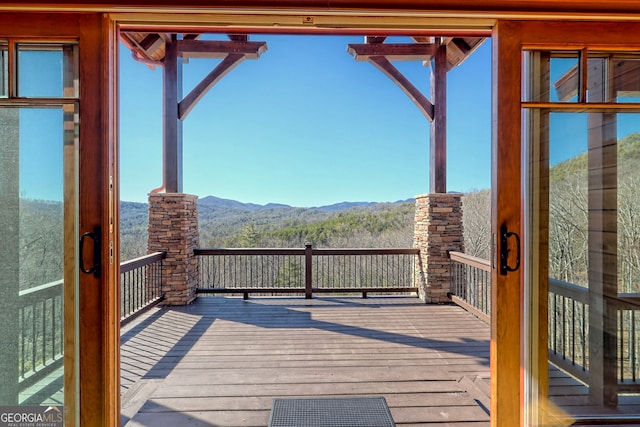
510	312
97	371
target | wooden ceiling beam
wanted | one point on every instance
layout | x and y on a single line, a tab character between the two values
461	44
219	49
374	39
238	37
392	51
425	106
151	41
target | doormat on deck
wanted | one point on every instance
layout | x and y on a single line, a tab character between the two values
331	412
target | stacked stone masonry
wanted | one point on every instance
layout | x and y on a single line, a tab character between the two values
173	228
438	230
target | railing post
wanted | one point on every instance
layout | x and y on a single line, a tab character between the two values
308	253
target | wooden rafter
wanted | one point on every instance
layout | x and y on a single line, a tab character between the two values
221	70
392	51
175	53
407	87
374	39
220	49
431	51
461	44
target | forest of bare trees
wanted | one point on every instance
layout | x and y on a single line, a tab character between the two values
380	225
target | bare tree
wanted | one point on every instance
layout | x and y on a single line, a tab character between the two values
476	221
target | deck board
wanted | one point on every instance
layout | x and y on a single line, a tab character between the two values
221	361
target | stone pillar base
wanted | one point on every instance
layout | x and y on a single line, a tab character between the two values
173	228
438	230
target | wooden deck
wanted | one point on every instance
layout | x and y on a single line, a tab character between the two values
221	361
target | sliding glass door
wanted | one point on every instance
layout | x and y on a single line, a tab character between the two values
582	158
39	232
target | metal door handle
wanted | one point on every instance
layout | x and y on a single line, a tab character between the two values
95	268
504	251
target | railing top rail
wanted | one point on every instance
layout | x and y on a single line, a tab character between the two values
41	288
569	290
314	251
473	261
630	299
248	251
141	261
40	293
367	251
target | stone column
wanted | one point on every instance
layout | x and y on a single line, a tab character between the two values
438	230
173	228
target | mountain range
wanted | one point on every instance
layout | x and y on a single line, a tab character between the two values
218	202
230	223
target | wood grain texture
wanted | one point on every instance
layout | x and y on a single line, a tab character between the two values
488	6
506	196
221	361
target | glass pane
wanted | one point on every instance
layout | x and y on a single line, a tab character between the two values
47	71
37	193
556	77
626	79
4	70
587	167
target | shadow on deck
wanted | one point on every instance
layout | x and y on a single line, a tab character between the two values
222	361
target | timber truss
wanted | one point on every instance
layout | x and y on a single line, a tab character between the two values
170	50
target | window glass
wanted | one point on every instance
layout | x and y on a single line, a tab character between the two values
626	79
560	80
46	71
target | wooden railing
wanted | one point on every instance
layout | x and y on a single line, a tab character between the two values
568	328
306	271
471	284
41	335
569	335
568	324
140	285
41	344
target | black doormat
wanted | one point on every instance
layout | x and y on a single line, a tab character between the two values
331	412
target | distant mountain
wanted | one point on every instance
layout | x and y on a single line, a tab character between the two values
221	203
230	223
218	202
343	206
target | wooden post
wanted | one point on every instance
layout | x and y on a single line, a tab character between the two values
308	273
603	240
172	126
438	145
506	194
9	254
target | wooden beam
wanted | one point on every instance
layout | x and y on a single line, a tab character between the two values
172	127
461	44
238	37
374	39
407	87
221	70
152	40
438	145
603	237
392	51
219	49
423	39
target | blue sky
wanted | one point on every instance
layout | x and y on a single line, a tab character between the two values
306	125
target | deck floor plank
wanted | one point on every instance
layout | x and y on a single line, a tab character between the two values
221	361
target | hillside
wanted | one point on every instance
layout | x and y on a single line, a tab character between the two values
229	223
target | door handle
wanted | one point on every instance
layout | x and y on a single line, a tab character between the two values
505	235
95	268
